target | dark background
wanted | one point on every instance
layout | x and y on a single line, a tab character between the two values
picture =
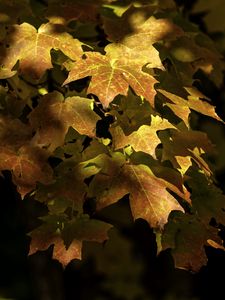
130	268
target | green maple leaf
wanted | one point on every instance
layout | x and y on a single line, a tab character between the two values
32	48
84	228
53	116
131	112
95	148
68	189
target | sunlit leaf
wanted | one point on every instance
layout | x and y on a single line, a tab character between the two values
136	32
144	139
98	103
149	198
181	106
32	48
112	75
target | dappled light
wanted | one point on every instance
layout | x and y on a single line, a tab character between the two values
103	106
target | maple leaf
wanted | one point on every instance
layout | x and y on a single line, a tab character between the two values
28	165
136	32
142	37
174	181
112	75
53	116
108	166
84	228
131	113
48	234
200	53
95	148
66	191
67	236
182	107
186	235
32	48
68	188
181	148
149	198
144	139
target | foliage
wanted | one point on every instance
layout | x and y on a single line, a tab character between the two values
96	103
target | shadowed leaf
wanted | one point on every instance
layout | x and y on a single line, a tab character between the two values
186	235
53	116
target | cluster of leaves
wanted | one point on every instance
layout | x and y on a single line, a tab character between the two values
96	99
